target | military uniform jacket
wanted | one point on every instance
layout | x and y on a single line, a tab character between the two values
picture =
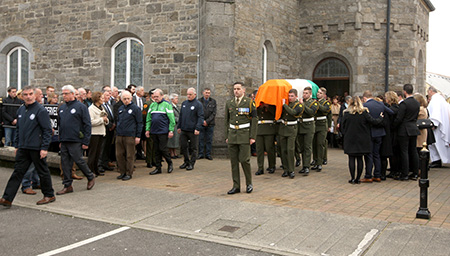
321	115
288	121
243	120
266	120
310	108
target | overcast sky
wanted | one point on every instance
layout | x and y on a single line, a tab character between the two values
438	47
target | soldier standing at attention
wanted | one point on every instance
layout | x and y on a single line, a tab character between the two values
287	132
320	135
307	128
240	130
265	140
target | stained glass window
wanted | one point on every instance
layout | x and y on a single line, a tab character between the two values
331	68
18	67
127	63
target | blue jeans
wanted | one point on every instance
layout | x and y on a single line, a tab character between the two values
9	136
31	178
205	140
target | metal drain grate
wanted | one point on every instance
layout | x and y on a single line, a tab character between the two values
230	229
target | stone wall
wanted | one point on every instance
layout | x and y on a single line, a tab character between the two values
357	32
72	39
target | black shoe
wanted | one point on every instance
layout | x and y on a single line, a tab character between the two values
313	163
405	178
352	181
249	188
315	167
297	163
126	177
121	176
302	170
259	172
170	168
234	191
292	175
319	168
271	170
200	157
107	168
306	173
285	174
325	162
189	167
383	178
413	177
209	158
183	166
156	171
101	171
436	164
149	165
99	174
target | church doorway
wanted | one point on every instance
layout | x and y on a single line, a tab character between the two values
333	74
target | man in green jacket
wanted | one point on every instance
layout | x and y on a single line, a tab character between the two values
287	132
240	132
160	125
320	136
307	128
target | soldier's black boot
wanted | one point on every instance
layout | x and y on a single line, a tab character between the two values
271	170
306	173
259	172
285	174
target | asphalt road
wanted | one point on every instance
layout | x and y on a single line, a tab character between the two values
26	231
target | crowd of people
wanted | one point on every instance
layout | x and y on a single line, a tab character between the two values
115	128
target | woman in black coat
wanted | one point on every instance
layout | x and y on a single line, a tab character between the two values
356	124
389	140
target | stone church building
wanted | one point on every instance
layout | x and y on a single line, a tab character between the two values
177	44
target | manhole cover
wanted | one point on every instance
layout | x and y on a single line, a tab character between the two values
230	229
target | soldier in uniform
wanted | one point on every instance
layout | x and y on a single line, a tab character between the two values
306	128
240	130
287	132
265	140
320	135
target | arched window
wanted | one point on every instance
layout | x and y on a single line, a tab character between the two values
264	64
331	68
127	63
17	68
268	61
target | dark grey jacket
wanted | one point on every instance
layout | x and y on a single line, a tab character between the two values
34	129
209	110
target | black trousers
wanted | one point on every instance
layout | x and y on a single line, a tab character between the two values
95	148
359	166
106	147
161	149
72	152
189	144
24	158
409	157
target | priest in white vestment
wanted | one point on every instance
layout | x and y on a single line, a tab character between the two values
439	111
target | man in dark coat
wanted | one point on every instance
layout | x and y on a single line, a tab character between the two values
9	115
32	139
207	130
377	133
407	132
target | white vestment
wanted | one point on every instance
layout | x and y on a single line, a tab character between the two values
439	111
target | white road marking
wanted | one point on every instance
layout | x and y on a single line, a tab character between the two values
365	241
84	242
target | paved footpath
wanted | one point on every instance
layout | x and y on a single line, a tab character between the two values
316	215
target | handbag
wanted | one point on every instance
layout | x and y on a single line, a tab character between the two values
424	123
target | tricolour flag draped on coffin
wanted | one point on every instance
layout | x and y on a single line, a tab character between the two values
273	91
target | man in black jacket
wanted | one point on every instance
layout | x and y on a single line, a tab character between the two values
407	131
9	115
207	129
74	135
32	139
189	125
